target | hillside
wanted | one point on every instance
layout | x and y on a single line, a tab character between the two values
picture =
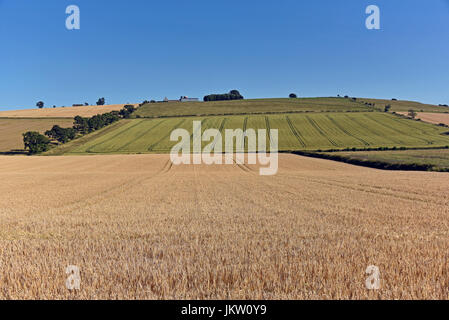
311	131
404	106
267	106
67	112
11	130
255	106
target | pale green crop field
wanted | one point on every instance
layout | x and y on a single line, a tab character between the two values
312	132
250	106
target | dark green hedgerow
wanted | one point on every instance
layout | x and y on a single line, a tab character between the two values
372	164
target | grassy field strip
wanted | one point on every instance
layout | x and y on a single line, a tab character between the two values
391	132
138	139
212	123
395	128
232	123
320	131
376	131
256	123
295	131
267	127
285	135
332	130
164	144
112	141
312	137
347	129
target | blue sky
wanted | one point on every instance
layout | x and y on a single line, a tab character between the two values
129	51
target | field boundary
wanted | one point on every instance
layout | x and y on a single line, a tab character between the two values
249	114
65	148
382	165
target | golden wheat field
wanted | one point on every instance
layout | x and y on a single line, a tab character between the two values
435	118
11	130
139	228
431	117
62	112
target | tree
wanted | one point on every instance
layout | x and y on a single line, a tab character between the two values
232	95
35	142
101	102
412	114
293	96
86	104
62	135
387	108
81	125
40	104
127	111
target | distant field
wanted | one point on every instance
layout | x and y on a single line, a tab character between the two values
325	131
67	112
404	106
438	159
11	130
250	107
431	117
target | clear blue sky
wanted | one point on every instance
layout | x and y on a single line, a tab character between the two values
128	51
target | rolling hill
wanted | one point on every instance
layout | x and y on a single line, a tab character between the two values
311	131
61	112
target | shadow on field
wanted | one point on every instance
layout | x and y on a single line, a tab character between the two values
15	152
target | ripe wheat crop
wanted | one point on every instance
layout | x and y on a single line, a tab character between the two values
139	228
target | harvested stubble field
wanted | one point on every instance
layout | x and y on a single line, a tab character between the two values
432	117
66	112
140	228
11	130
404	106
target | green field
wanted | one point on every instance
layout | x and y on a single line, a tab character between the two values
438	159
309	131
273	106
255	106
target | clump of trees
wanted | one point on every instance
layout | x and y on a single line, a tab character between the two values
232	95
35	142
387	108
293	96
62	135
144	102
84	125
127	111
101	102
